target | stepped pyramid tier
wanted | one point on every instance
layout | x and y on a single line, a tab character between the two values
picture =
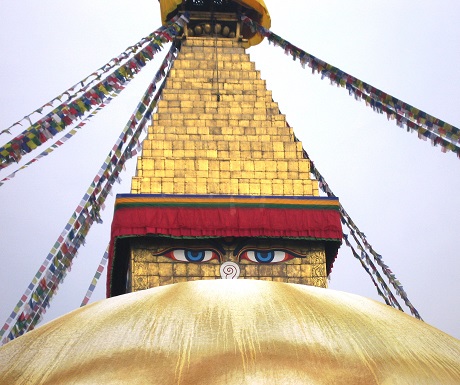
221	179
218	131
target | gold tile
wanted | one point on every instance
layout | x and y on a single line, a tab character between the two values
306	270
201	188
202	164
288	188
193	270
283	175
179	188
243	188
248	165
235	165
293	271
277	188
266	189
298	187
190	187
266	278
259	165
247	174
254	188
180	269
153	268
166	280
153	281
251	270
179	279
208	270
165	269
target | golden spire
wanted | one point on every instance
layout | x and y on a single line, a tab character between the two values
218	131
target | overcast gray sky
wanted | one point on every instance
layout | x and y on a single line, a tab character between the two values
400	191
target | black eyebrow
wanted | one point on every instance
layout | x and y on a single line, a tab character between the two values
217	245
239	246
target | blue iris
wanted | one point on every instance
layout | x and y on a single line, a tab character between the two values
195	255
264	256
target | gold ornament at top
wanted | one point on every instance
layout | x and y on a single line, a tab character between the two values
256	10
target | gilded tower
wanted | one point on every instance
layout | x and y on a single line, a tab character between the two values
221	177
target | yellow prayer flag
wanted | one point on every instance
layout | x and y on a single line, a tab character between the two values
81	105
31	144
103	89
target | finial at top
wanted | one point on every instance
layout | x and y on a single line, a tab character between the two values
219	11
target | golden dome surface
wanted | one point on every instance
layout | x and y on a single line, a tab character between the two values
233	332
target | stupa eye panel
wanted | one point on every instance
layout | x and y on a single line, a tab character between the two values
157	261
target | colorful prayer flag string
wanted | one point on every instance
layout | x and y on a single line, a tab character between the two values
32	305
363	264
96	277
65	138
382	288
378	259
364	257
82	85
67	113
416	120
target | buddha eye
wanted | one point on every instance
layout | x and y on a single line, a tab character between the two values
266	256
190	255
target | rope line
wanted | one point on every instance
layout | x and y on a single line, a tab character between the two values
427	127
68	113
96	277
363	264
415	120
39	293
66	137
96	75
347	221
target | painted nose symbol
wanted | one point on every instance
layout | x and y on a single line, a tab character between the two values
229	270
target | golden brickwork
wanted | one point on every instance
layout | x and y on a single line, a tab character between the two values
150	269
218	131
